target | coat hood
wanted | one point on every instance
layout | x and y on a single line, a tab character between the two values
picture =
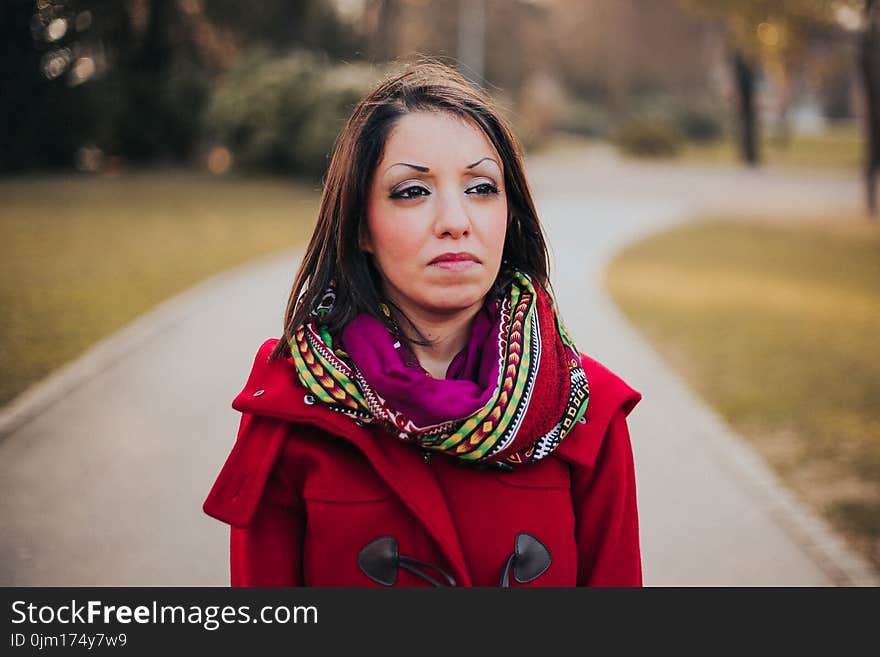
274	390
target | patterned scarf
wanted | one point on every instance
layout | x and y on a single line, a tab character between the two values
510	396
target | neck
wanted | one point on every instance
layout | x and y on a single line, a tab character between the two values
448	334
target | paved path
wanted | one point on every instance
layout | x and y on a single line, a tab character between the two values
104	467
711	511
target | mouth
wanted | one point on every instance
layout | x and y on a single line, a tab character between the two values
455	261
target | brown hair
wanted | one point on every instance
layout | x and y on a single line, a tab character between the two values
334	254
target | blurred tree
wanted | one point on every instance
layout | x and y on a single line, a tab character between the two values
384	46
772	37
764	36
471	46
44	110
283	114
628	52
771	34
516	45
869	60
131	77
517	52
744	78
283	24
20	84
153	127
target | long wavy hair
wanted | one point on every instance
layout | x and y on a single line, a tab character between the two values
334	254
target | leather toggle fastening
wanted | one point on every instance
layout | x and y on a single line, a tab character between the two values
380	560
530	559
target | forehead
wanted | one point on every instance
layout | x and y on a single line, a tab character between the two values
436	138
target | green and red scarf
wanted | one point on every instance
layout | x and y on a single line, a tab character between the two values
510	396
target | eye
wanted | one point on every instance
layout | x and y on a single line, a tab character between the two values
406	193
488	189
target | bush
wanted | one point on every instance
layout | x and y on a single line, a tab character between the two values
697	117
283	114
651	136
584	118
698	125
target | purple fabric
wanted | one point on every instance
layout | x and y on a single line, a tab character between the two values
471	377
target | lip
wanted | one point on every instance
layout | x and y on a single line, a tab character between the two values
461	256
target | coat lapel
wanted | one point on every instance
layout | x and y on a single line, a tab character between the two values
405	472
273	390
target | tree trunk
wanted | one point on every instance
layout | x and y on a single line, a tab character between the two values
744	75
472	39
386	41
148	131
869	61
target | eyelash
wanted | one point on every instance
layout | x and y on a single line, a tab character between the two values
399	194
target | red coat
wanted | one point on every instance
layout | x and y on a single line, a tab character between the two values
305	489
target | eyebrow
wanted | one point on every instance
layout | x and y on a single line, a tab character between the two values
427	169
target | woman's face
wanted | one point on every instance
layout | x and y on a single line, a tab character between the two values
437	215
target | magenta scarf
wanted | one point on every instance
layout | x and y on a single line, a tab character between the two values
394	372
512	394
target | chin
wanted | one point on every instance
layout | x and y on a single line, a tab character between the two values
459	297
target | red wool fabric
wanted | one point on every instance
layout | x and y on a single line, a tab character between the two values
304	489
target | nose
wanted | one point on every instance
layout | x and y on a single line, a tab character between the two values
452	218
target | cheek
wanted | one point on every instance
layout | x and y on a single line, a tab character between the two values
494	234
395	245
500	234
400	252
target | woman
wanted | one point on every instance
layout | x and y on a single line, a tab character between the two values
426	419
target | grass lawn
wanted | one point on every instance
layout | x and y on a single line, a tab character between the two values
835	148
82	256
838	148
776	325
